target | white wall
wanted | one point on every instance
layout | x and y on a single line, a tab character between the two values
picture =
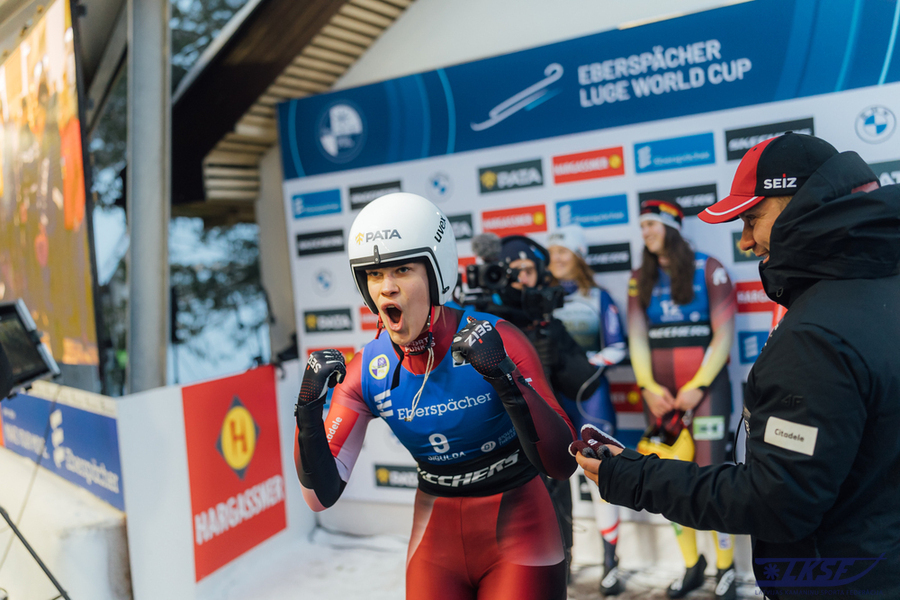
438	33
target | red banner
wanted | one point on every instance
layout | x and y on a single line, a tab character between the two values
752	298
234	466
588	165
626	397
512	221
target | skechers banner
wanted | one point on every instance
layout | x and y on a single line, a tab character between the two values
692	200
610	257
588	165
510	177
593	212
314	204
699	63
362	195
512	221
82	439
751	297
738	141
320	242
888	172
462	226
675	153
328	320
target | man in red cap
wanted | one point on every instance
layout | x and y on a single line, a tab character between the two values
818	491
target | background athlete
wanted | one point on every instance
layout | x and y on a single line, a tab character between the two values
681	307
592	319
468	399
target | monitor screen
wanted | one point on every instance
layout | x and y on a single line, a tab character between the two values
45	256
23	354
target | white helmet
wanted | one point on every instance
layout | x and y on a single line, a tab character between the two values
396	228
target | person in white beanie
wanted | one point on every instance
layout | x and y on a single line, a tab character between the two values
592	319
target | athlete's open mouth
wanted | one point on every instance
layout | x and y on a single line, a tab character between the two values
394	316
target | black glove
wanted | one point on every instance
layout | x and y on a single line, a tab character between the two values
479	344
324	369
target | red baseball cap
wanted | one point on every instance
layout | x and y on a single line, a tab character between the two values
778	166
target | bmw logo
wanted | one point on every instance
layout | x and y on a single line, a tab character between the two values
324	282
875	124
439	187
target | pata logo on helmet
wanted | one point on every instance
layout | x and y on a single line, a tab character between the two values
383	234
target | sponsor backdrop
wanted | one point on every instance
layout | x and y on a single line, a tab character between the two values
580	132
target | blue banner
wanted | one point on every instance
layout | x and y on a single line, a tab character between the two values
675	153
78	445
740	55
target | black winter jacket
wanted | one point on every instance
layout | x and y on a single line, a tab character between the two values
819	491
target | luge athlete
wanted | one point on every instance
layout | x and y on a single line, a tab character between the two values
468	399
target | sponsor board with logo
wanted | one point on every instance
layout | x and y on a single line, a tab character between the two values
750	344
626	397
738	141
593	212
512	221
396	476
315	204
81	443
320	242
499	178
876	124
888	172
363	194
549	133
692	200
348	351
595	164
336	319
609	257
675	153
368	321
462	226
751	297
237	484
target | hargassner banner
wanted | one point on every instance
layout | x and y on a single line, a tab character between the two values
752	53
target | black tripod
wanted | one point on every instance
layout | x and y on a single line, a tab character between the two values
5	515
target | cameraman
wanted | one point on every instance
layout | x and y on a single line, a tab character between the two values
524	297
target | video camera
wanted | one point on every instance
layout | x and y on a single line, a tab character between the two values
492	276
23	358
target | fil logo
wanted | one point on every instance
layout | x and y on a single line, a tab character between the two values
527	99
237	438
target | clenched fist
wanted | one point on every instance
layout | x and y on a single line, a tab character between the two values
479	344
324	369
